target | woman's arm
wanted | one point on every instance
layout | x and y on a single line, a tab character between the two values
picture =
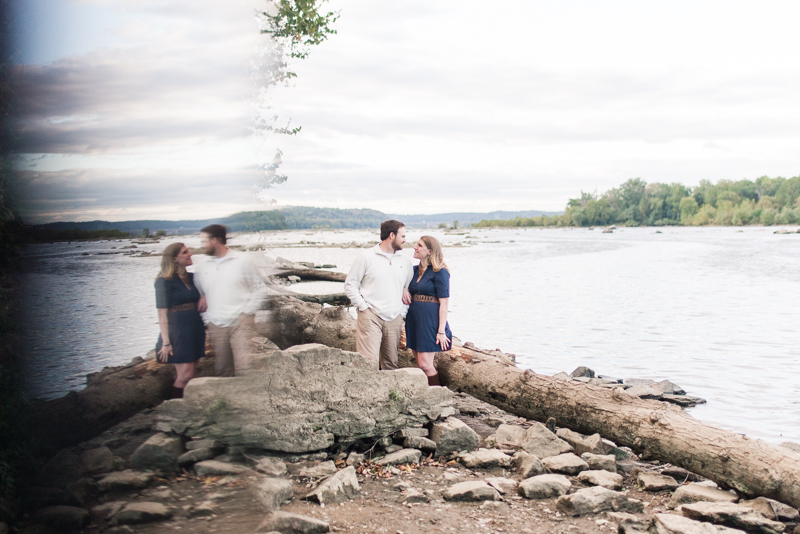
441	336
166	348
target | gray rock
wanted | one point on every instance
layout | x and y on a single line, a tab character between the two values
411	496
194	456
409	432
205	444
271	466
581	443
392	448
214	468
595	500
676	524
583	372
142	512
792	446
601	478
502	484
125	480
417	442
99	460
544	486
160	451
631	524
162	494
600	462
272	492
622	454
204	509
682	400
473	491
287	523
540	442
732	515
562	376
656	482
319	470
485	458
404	456
644	392
337	487
527	464
63	517
695	492
568	464
453	435
107	510
509	436
771	509
354	459
82	489
670	388
305	399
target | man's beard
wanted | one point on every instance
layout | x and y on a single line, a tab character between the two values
210	251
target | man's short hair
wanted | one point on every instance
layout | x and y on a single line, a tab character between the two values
216	231
390	227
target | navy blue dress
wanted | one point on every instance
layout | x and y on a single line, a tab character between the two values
186	330
422	321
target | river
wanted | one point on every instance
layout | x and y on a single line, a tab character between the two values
712	309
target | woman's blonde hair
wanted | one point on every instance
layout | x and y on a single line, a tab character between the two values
168	265
436	259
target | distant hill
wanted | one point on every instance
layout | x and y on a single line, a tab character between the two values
290	217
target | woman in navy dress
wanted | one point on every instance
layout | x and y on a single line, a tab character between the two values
182	340
427	331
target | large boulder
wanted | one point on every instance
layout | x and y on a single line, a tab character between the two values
307	398
453	435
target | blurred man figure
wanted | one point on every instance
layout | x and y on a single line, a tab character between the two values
375	286
231	286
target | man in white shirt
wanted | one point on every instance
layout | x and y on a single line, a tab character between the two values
375	286
230	285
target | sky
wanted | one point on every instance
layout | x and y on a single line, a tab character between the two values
145	109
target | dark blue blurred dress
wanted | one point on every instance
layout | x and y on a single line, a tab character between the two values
422	321
186	330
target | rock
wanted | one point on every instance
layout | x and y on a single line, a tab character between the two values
510	436
411	432
204	509
142	512
562	376
392	448
682	400
100	460
670	388
337	487
160	451
163	494
676	524
272	492
401	485
601	478
622	454
527	464
540	442
602	462
404	456
597	499
771	509
502	484
794	447
271	466
631	524
305	399
194	456
354	459
581	443
568	464
319	470
82	489
473	490
41	497
417	442
411	496
485	458
453	435
656	482
107	510
63	468
63	517
293	278
644	392
214	468
732	515
544	486
583	372
205	444
287	523
126	480
695	492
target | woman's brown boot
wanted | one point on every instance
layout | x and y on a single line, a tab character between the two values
434	380
177	393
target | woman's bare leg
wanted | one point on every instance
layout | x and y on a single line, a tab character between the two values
425	362
185	372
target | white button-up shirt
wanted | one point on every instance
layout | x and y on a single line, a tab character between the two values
232	286
376	280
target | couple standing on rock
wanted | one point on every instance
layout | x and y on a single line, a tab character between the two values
225	288
385	288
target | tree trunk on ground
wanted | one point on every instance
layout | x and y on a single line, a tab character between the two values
658	430
312	274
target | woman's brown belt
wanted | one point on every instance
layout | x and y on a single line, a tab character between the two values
424	298
183	307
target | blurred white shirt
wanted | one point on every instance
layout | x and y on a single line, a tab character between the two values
232	286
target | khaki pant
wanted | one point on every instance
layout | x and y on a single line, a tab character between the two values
377	339
233	345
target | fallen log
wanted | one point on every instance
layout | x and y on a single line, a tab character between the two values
312	275
334	299
653	428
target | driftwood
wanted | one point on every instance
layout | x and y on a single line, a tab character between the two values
334	299
656	429
312	275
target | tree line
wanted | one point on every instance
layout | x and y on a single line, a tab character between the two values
765	201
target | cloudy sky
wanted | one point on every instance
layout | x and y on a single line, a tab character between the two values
134	109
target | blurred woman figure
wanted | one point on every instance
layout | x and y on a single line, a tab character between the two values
427	331
182	339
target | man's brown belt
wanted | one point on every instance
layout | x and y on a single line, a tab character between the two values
183	307
424	298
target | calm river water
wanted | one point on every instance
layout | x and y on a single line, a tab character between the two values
712	309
